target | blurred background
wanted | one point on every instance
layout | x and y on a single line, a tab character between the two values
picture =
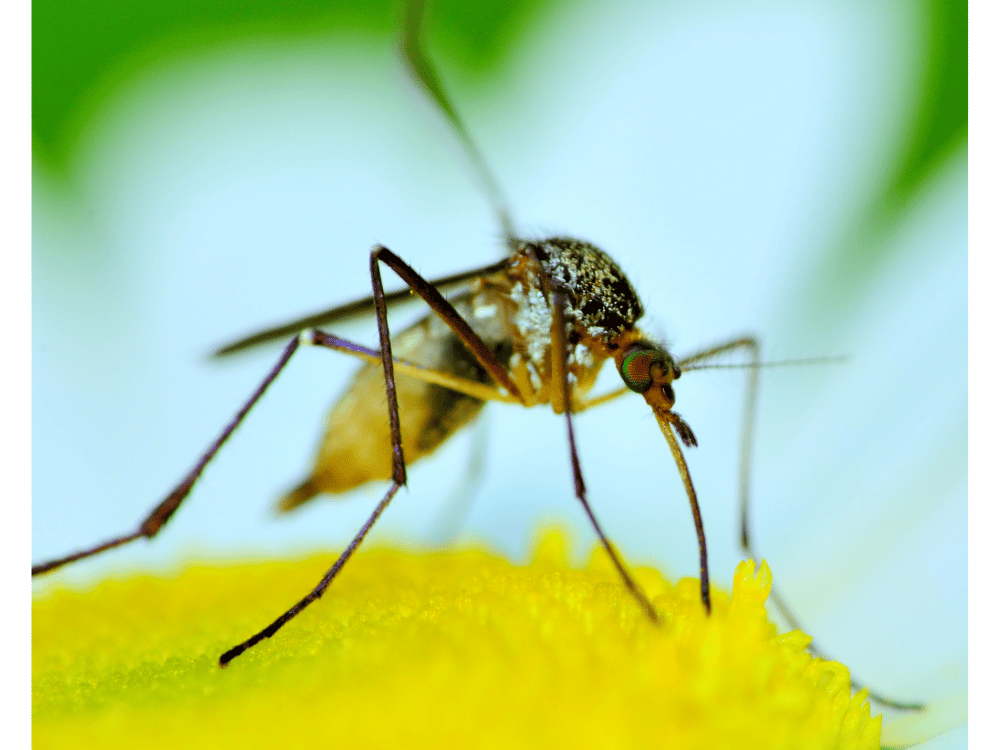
792	169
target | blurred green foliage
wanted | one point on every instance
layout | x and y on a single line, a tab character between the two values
75	46
941	117
939	124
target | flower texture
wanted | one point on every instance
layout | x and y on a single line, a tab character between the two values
443	649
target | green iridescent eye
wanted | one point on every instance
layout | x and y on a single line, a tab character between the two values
636	368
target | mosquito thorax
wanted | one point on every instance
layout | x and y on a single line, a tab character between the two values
600	306
601	301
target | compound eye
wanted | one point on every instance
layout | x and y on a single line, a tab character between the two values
637	369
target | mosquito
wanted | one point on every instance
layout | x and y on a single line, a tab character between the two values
534	329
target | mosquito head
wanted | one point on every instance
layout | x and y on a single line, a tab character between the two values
648	369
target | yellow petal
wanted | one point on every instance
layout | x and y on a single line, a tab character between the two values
444	649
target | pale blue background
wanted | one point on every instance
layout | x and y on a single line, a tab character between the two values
719	152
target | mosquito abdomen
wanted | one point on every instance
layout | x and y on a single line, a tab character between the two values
354	451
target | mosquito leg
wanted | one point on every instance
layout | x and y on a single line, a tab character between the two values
591	401
749	417
581	493
561	402
751	345
447	312
162	512
321	587
423	70
448	380
456	507
398	475
382	319
670	421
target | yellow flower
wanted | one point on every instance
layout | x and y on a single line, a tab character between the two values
445	649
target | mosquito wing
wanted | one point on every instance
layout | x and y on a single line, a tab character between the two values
349	311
